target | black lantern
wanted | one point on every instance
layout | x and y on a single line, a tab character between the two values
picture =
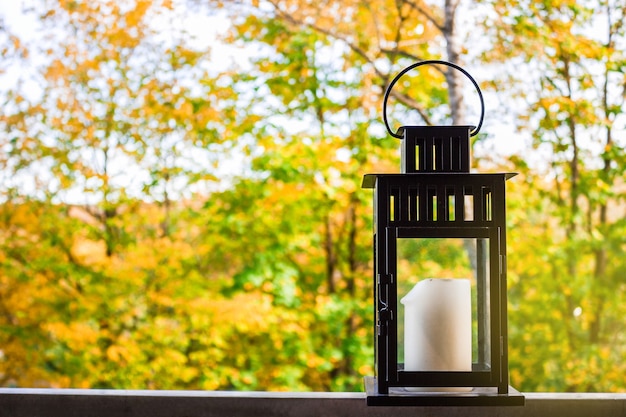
439	340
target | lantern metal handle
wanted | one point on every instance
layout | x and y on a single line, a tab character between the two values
432	62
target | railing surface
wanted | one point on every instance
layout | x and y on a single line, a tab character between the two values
123	403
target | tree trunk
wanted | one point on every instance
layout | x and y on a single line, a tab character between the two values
453	49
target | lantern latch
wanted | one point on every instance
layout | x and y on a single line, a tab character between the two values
385	315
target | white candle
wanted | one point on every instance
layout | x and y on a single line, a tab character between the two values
438	326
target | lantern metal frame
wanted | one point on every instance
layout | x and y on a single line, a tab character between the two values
431	198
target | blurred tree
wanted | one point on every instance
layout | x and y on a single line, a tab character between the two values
106	112
123	266
114	111
317	81
571	222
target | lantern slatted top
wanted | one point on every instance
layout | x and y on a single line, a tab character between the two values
454	199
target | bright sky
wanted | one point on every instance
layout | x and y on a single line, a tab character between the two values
12	16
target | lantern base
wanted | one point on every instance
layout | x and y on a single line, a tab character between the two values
478	396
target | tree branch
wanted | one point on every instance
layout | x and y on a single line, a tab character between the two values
411	103
402	98
424	12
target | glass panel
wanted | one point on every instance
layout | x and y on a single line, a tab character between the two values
450	204
430	262
469	207
488	205
417	157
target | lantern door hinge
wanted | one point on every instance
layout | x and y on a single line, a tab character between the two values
385	278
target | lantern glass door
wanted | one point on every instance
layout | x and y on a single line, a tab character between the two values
443	293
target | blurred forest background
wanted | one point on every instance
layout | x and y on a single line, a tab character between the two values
180	184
